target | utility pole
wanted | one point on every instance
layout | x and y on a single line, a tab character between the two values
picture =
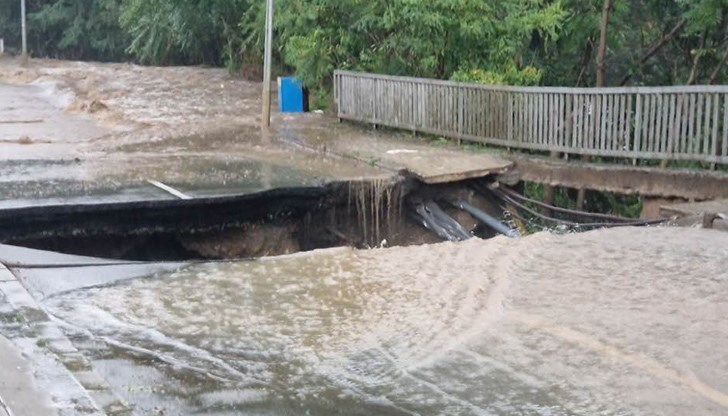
24	29
267	63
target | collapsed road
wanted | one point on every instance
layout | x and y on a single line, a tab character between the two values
295	280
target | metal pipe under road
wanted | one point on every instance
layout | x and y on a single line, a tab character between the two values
432	217
489	220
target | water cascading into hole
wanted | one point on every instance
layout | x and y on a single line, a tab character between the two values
378	205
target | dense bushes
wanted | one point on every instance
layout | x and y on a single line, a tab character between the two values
71	29
545	42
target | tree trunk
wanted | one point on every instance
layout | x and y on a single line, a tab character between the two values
656	47
585	60
602	51
717	69
696	63
601	54
694	70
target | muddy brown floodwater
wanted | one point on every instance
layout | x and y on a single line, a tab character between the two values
86	132
629	321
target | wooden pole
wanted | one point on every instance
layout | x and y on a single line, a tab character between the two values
267	64
24	29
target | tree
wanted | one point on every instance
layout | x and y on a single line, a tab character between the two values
77	29
186	32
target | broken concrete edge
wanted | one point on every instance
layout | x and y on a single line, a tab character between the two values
22	257
688	218
461	176
64	218
58	367
624	180
399	170
391	168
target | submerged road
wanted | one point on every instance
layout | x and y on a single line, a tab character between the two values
83	132
556	325
51	156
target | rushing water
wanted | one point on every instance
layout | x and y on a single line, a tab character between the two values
612	322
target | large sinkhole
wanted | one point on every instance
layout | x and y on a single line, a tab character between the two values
362	214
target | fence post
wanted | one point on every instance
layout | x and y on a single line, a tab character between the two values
510	118
714	134
374	103
416	115
460	113
337	94
637	128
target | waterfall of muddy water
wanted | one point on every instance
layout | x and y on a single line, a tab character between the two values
378	203
630	321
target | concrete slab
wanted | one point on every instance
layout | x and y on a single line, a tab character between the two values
14	256
47	273
623	179
718	206
705	214
394	151
45	282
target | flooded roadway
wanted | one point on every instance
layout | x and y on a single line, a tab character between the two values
615	322
619	322
52	155
85	132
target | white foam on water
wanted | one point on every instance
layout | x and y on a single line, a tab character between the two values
608	322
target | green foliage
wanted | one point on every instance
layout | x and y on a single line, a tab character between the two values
634	28
628	206
497	42
312	56
535	191
10	22
510	42
187	32
72	29
435	39
529	75
703	15
77	29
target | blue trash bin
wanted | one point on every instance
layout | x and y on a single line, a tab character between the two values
291	95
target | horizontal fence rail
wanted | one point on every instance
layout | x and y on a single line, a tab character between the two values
666	123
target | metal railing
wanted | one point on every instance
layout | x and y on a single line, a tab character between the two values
666	123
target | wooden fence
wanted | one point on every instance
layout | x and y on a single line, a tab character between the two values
671	123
